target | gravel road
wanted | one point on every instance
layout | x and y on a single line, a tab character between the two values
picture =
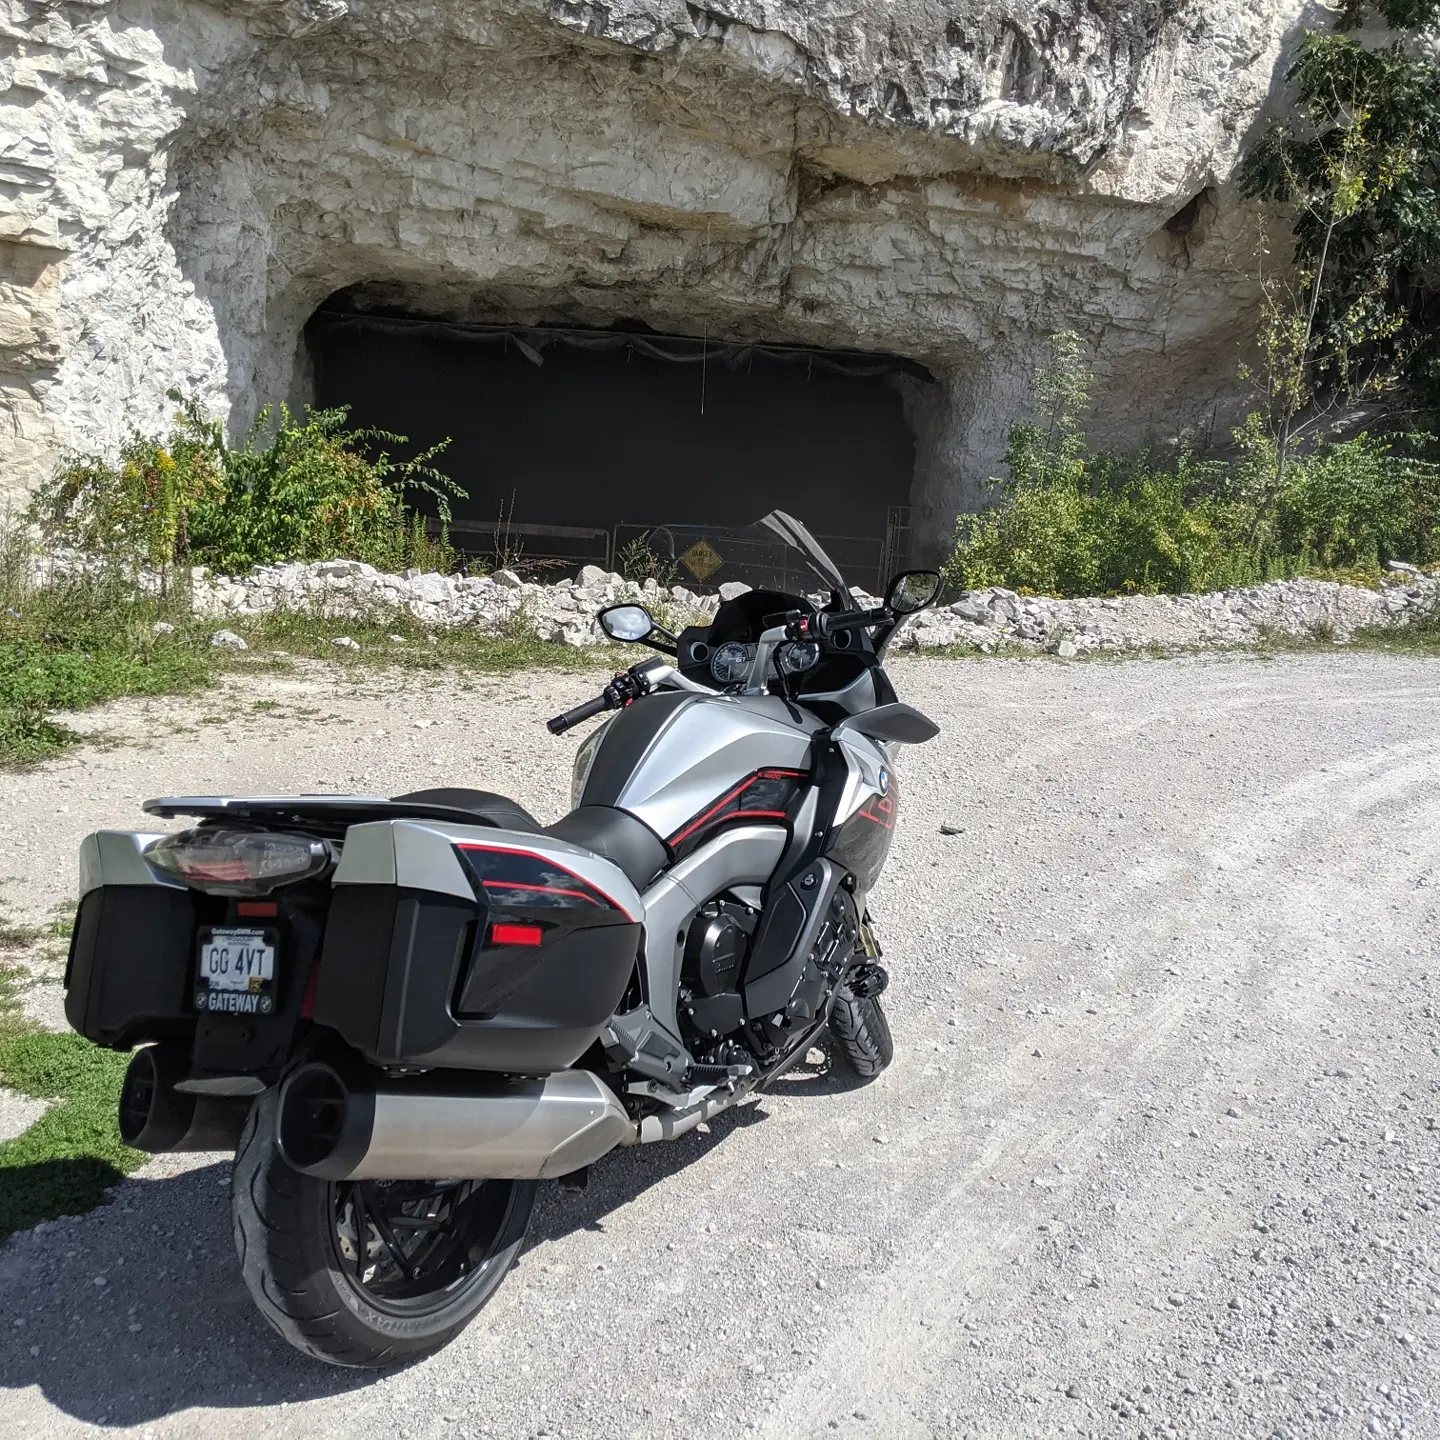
1157	1155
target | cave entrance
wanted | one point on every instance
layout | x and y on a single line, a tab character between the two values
572	442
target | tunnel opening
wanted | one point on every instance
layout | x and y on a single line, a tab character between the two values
572	442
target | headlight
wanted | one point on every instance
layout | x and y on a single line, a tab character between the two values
584	759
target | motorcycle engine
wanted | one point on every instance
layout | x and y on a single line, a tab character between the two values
716	947
831	955
715	950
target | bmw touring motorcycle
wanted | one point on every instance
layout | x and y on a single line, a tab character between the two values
403	1014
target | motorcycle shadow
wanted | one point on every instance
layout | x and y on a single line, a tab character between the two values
623	1175
137	1310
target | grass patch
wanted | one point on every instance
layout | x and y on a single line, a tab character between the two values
79	643
85	641
1421	637
65	1162
22	937
1029	652
464	648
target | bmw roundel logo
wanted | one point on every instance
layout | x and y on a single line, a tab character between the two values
884	781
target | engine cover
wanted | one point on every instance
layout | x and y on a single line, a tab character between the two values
715	950
716	945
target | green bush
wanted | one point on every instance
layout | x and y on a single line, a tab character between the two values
309	489
1070	521
80	640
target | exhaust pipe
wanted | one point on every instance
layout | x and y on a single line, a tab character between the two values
157	1117
671	1124
338	1129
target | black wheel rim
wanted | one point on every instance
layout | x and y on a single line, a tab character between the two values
410	1247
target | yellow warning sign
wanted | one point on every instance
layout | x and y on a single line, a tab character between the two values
701	560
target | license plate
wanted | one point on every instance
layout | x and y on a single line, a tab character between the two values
235	971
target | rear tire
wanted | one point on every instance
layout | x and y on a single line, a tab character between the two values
862	1033
299	1242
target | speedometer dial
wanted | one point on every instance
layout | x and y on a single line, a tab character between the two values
730	663
793	659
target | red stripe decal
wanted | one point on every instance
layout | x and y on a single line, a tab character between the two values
539	889
739	790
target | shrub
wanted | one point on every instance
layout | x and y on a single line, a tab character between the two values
138	509
309	489
1069	521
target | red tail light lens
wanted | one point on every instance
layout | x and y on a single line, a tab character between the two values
501	934
238	862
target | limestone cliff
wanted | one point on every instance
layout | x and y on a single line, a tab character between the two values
184	183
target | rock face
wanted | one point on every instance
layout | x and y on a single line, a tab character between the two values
951	183
1000	620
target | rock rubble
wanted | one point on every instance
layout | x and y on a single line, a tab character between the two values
499	604
987	620
980	620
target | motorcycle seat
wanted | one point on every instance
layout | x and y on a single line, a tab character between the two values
619	836
492	809
628	843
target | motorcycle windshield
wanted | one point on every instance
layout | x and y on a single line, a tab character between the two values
777	552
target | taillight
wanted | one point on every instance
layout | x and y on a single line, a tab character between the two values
503	934
238	862
514	879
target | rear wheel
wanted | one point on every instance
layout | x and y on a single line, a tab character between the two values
368	1272
862	1033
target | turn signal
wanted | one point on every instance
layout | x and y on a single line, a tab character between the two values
238	862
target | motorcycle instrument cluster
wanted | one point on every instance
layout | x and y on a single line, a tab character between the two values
730	663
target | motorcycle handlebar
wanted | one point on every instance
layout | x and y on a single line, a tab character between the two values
828	622
561	723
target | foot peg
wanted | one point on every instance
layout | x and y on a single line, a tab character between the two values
865	982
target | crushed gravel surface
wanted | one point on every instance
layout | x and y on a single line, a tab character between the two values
1157	1155
18	1113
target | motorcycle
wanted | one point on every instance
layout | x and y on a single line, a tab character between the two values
354	992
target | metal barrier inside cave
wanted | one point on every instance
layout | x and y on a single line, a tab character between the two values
567	439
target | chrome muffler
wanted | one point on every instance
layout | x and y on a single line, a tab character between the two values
350	1128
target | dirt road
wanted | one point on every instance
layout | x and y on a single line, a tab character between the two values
1158	1154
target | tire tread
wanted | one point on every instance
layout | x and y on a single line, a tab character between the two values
282	1262
862	1033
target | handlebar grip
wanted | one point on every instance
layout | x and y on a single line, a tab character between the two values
561	723
828	622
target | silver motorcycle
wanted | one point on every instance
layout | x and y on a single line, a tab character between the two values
355	993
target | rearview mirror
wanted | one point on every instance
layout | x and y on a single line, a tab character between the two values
912	590
626	622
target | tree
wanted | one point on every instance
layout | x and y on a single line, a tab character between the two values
1359	160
